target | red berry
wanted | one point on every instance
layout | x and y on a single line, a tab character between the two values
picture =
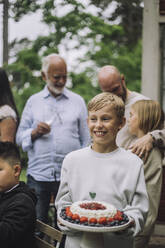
83	219
119	212
67	209
118	217
69	214
102	220
110	219
93	220
75	217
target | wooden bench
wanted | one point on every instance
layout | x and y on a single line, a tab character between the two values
52	234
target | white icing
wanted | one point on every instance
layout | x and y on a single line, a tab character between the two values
108	212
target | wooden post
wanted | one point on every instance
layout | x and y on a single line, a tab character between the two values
151	50
5	32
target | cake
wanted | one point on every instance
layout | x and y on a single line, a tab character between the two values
94	213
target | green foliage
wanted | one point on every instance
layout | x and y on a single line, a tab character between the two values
82	85
48	42
19	8
21	96
24	80
29	58
23	175
132	72
128	14
105	44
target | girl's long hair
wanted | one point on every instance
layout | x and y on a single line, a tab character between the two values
150	115
6	96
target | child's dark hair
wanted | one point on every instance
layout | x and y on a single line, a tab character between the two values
9	152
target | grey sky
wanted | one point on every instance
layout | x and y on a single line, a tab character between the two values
31	26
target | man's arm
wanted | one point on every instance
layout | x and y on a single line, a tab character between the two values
28	131
143	146
83	127
23	135
8	129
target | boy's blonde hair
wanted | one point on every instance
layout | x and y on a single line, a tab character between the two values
150	115
103	99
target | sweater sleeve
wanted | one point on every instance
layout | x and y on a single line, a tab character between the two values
138	208
63	197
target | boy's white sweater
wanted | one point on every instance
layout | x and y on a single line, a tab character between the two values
116	178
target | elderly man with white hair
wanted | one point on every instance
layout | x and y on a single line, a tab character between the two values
53	123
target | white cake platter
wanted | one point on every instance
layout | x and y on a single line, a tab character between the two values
80	227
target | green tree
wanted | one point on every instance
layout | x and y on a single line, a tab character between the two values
69	21
19	8
128	14
15	9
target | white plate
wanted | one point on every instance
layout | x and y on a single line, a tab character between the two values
94	229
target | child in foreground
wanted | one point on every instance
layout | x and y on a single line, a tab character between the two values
113	174
17	202
147	116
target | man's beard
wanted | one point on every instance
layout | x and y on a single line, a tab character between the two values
53	89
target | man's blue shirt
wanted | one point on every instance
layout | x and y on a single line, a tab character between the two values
69	131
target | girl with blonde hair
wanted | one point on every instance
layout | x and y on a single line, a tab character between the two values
146	116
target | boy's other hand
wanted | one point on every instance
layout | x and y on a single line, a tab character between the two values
143	146
126	232
58	222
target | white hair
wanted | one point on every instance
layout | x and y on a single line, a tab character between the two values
46	61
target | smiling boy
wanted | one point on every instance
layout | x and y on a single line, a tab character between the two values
104	124
115	175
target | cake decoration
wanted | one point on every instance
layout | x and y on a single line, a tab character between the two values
92	195
94	213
